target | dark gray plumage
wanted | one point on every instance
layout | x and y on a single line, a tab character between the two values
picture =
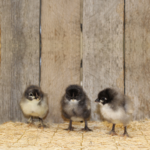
115	107
76	106
34	104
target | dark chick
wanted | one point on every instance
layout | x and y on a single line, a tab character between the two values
115	107
76	106
34	104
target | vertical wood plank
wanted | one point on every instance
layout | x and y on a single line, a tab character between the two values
60	65
137	56
81	12
102	47
19	54
0	27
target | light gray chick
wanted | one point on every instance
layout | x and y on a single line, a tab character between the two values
115	107
34	104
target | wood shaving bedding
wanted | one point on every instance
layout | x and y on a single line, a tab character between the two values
23	136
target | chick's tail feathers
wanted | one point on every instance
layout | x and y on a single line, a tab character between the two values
128	105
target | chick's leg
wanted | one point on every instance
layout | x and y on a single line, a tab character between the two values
112	132
86	128
125	132
70	128
30	120
41	123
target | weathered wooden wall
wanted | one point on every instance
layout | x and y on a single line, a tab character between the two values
0	27
108	51
60	57
19	54
102	47
137	55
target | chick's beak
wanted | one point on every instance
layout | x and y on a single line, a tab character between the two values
73	100
97	100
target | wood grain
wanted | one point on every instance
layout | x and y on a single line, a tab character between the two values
81	12
137	56
60	56
19	54
0	29
102	47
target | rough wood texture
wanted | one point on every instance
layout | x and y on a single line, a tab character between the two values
0	44
81	12
19	54
60	56
0	28
102	47
137	56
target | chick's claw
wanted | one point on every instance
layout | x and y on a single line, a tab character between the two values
125	135
42	126
70	129
112	133
86	129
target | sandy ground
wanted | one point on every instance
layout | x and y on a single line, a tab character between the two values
21	136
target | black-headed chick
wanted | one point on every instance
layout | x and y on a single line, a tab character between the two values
115	107
76	106
34	103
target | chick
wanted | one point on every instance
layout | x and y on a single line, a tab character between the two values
115	107
76	106
34	104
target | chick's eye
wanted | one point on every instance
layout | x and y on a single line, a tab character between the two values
105	99
30	94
